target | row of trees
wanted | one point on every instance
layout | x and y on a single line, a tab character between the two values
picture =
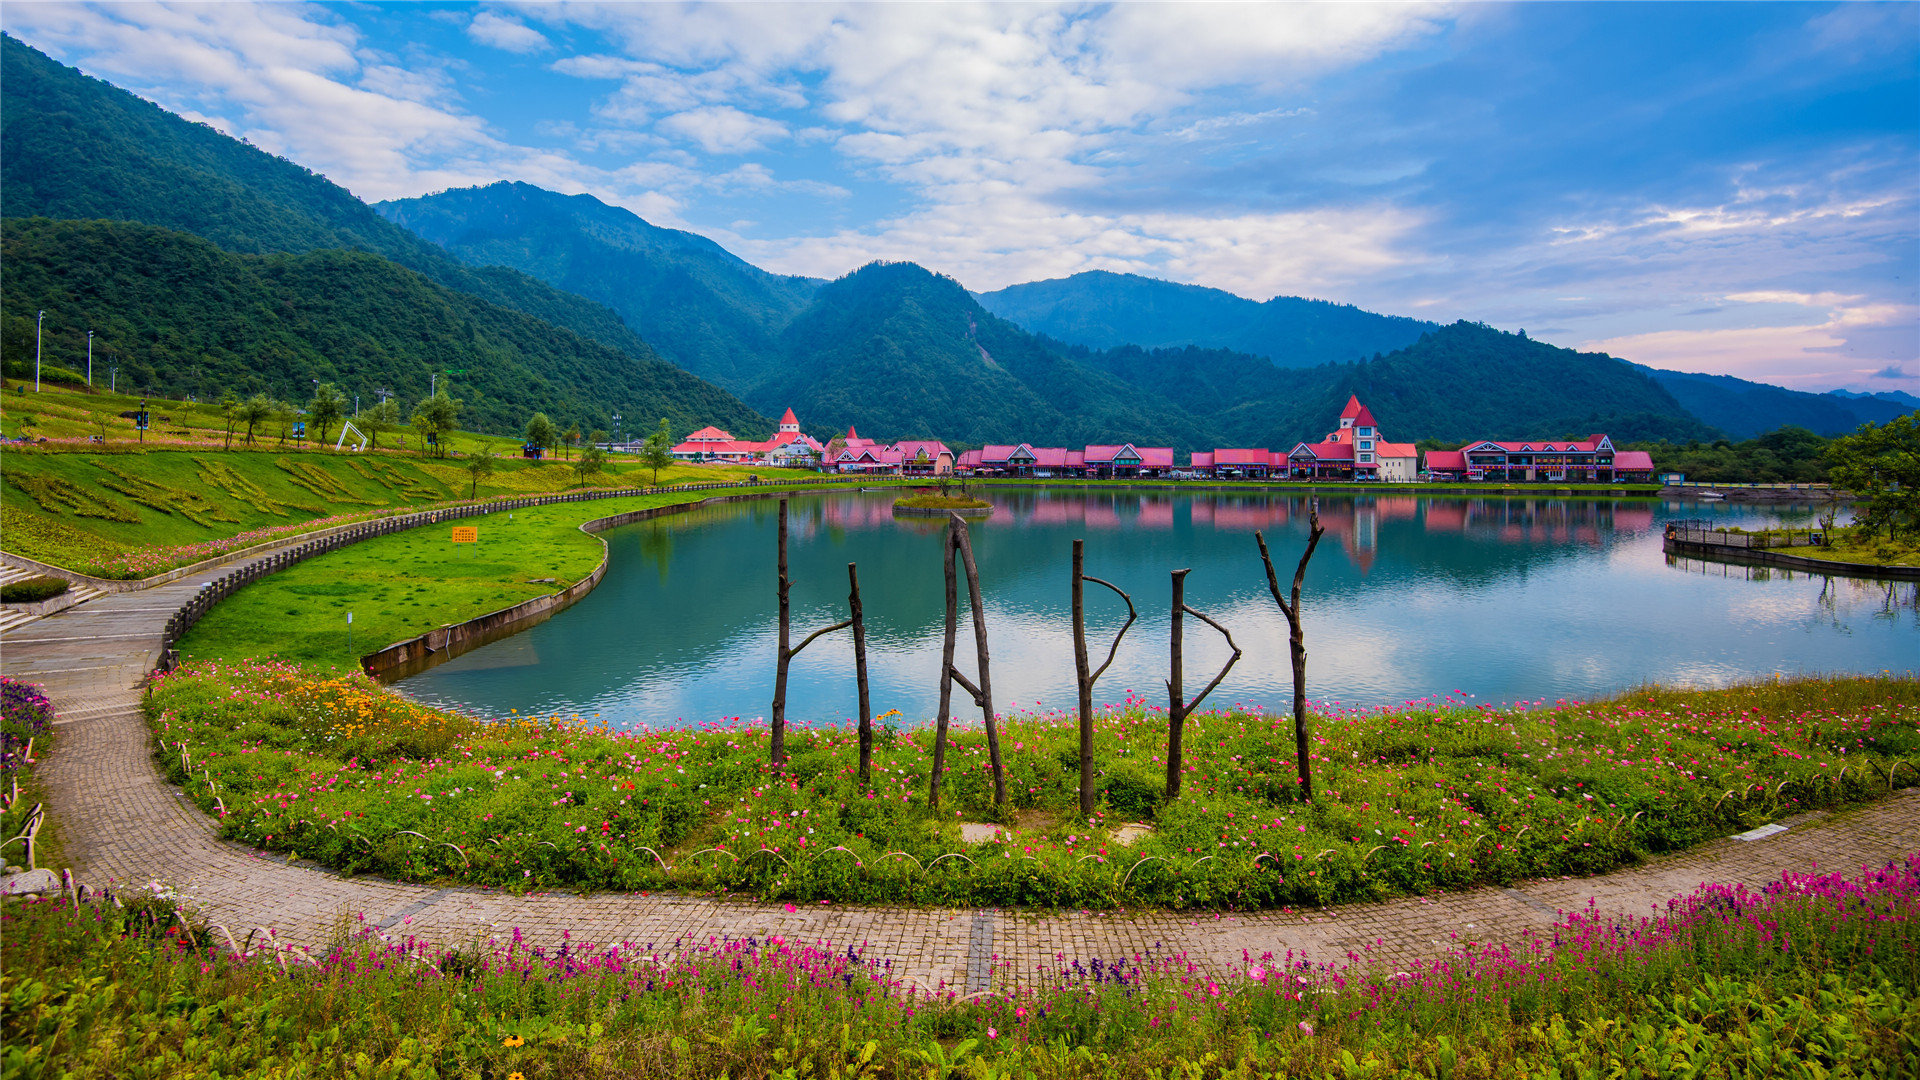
435	417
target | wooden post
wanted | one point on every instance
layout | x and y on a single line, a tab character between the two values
860	673
1296	638
959	544
1083	676
946	669
777	751
1178	709
778	718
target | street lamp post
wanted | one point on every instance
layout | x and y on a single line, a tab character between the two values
89	359
36	350
616	432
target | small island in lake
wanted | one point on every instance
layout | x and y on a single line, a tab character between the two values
934	505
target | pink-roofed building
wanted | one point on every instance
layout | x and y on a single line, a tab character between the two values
1590	460
1126	461
908	457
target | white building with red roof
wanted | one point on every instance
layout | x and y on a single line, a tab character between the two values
789	446
1356	450
908	457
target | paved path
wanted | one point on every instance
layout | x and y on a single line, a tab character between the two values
122	823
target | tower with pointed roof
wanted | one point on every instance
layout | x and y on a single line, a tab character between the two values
790	422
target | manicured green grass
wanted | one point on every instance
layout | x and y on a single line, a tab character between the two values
1810	977
124	511
408	583
1439	796
940	502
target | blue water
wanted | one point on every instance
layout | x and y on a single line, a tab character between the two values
1497	599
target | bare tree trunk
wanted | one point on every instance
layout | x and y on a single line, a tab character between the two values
1296	638
777	752
1178	709
1082	673
984	693
860	673
778	717
946	671
1085	677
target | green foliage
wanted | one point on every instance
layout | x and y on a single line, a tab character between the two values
1789	455
657	452
702	308
324	411
592	460
32	590
541	434
194	317
479	467
378	419
435	419
1882	466
1406	802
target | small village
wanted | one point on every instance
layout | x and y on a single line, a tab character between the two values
1355	451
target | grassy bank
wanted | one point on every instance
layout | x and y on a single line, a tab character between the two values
1439	796
124	511
408	583
1809	977
26	738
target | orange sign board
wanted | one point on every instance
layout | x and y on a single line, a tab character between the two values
466	534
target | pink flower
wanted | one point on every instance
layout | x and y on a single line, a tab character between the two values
993	1033
1306	1027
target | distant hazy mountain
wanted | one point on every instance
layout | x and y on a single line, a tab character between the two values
702	307
1102	310
1743	409
74	147
1897	397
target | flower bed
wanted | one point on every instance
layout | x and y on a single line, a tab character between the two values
1431	796
26	735
1812	976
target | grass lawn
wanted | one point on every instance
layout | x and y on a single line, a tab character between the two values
126	511
333	767
1811	976
408	583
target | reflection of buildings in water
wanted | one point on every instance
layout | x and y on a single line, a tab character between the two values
1538	521
1883	599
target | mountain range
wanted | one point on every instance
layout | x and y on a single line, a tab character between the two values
566	304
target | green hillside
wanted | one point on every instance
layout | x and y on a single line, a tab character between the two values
74	147
701	306
1744	409
906	353
184	314
1103	310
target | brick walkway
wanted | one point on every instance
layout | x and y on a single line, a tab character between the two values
122	823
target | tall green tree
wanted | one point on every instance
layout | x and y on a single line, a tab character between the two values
229	414
571	436
1881	465
541	434
479	467
657	453
325	410
283	416
592	460
382	417
436	418
253	412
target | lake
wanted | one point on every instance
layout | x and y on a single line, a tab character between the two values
1408	597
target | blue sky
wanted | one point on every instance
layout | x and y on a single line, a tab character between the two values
1731	188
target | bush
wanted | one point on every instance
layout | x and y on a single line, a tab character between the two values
32	590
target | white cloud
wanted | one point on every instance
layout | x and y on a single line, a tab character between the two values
488	28
723	130
1812	355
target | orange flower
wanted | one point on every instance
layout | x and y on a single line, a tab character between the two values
513	1040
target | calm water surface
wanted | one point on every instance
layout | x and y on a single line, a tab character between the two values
1407	598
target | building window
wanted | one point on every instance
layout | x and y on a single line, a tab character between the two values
1366	432
1366	459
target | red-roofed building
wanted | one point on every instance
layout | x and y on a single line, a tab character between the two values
909	457
1589	460
1356	450
1127	461
788	447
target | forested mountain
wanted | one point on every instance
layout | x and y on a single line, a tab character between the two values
905	353
75	147
1455	383
1745	409
185	314
699	305
1102	310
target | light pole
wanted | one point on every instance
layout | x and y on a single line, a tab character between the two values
616	432
36	350
89	359
113	378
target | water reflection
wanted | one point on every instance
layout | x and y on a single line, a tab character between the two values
1504	598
